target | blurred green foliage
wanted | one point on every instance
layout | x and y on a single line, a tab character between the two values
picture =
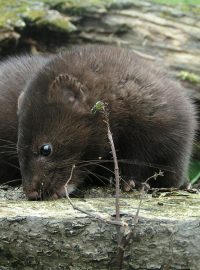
184	5
188	76
194	171
178	2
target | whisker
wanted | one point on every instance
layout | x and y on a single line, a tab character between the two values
9	154
8	141
131	162
96	164
8	150
10	181
120	161
12	165
88	163
8	147
95	175
101	176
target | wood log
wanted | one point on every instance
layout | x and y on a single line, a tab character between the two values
52	235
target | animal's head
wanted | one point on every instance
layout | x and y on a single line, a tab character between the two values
54	131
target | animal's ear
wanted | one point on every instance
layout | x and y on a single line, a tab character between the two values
67	89
19	102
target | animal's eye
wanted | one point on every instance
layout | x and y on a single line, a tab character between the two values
46	149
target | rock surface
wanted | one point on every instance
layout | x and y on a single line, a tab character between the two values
166	35
52	235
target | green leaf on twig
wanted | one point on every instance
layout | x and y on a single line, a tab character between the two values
99	106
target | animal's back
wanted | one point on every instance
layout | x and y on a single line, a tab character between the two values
133	87
152	117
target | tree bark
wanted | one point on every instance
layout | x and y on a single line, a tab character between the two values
51	235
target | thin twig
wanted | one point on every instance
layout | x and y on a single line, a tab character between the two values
103	108
113	222
116	167
125	240
116	170
160	173
127	237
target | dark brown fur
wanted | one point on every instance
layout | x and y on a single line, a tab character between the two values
152	120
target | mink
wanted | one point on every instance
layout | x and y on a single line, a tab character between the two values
45	111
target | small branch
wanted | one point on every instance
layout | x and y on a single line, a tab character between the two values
127	237
102	107
116	167
125	240
112	222
161	173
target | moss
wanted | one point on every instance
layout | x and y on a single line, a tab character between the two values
190	77
55	21
184	5
77	7
12	12
34	15
15	14
178	2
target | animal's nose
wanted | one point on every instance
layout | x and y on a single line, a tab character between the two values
33	196
32	188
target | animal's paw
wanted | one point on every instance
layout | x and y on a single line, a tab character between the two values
128	185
